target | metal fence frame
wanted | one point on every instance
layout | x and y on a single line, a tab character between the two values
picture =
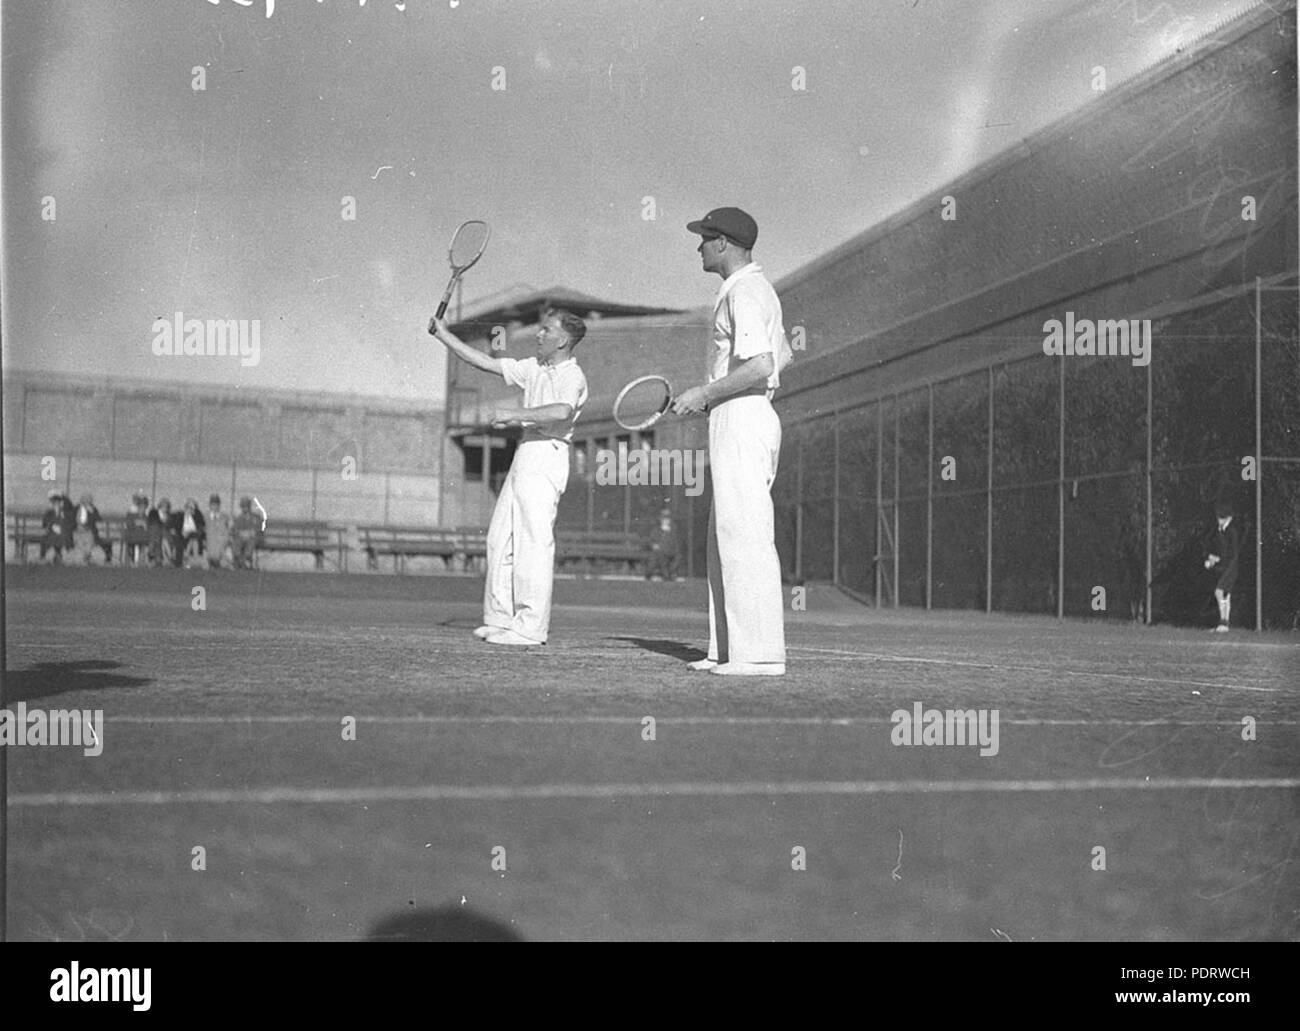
888	504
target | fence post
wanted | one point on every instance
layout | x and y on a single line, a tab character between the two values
591	490
1150	514
835	512
988	514
929	502
626	455
798	516
1060	494
1259	471
880	484
896	492
690	536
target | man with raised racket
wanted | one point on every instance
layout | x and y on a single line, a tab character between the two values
521	535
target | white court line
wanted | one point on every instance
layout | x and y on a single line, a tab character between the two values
1050	671
723	721
522	792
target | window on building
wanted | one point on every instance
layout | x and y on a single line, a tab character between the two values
473	463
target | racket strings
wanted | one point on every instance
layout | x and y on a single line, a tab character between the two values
642	402
468	243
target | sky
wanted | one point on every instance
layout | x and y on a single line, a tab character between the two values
586	132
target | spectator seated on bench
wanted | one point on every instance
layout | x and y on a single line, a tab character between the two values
135	535
216	532
57	524
87	537
192	534
246	534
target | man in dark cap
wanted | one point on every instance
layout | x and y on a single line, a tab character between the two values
1224	549
746	604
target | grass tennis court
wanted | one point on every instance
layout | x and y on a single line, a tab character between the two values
224	730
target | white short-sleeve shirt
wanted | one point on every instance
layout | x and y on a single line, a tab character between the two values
746	322
563	383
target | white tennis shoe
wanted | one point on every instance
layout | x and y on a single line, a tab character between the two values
499	636
484	632
749	669
702	665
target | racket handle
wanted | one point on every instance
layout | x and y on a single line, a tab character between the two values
446	296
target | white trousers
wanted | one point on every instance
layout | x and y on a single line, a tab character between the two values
746	605
521	540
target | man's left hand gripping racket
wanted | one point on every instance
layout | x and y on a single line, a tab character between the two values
467	246
643	402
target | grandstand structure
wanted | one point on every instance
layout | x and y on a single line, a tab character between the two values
306	456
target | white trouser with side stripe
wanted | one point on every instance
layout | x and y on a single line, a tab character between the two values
746	605
521	540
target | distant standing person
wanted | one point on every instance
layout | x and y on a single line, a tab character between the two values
746	604
1224	549
663	548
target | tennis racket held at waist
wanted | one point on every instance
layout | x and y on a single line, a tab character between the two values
643	402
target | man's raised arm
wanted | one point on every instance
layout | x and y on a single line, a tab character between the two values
438	328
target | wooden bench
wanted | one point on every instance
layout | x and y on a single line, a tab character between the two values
27	531
304	537
601	548
474	539
401	542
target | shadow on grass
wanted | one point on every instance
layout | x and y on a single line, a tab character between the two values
673	649
46	679
449	923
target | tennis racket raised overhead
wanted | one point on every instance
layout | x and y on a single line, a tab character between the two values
642	402
467	246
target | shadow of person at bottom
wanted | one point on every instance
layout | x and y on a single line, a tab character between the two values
450	923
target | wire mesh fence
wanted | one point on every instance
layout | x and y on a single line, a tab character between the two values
1074	487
